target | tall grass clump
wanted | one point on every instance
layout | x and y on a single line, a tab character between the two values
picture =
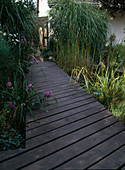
79	32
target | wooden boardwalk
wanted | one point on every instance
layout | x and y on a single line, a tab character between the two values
76	133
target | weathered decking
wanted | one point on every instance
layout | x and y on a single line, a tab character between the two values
76	133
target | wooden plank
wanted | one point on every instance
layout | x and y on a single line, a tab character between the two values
66	88
79	162
68	120
67	129
53	88
51	83
58	133
67	102
97	153
112	161
67	97
64	93
54	107
123	168
61	109
66	115
67	140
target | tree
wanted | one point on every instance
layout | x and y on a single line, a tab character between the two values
113	6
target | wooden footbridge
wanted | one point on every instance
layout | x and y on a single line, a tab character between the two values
76	133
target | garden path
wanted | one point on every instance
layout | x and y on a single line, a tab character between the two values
76	133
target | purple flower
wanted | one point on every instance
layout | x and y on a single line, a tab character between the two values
37	61
9	84
11	105
24	104
24	39
32	44
29	86
31	62
48	94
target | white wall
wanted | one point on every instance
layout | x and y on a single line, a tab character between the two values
43	8
117	27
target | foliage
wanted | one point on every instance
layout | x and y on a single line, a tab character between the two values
11	139
18	43
79	31
7	61
18	28
113	6
120	50
23	98
119	110
105	84
17	17
114	56
46	53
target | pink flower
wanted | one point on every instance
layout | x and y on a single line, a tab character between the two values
24	104
48	94
9	84
29	86
11	105
37	62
